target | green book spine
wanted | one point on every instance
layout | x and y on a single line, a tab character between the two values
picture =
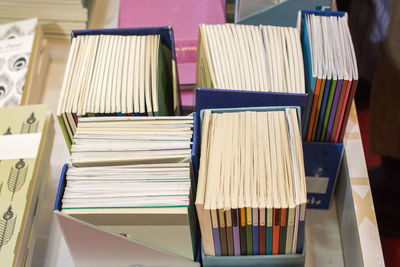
268	237
249	232
328	109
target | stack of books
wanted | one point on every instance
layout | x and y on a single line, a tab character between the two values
250	58
57	18
132	177
331	74
26	140
24	61
122	75
251	193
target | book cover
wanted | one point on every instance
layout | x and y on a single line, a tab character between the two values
24	131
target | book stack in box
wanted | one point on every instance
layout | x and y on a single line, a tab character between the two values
251	194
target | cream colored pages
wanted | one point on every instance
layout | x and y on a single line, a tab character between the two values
228	158
136	47
242	155
147	76
255	177
214	55
272	120
261	160
280	122
248	163
239	57
236	141
213	168
231	57
142	78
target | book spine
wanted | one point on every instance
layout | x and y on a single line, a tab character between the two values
222	232
262	233
345	85
249	232
313	109
236	236
282	232
328	110
317	112
348	108
323	109
256	248
275	231
342	111
296	229
229	232
269	232
290	230
243	249
300	237
339	85
215	230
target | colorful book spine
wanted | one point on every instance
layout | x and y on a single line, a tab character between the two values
236	235
256	244
301	230
348	108
333	110
243	248
290	230
313	108
329	108
323	109
262	232
222	232
215	231
229	232
318	109
275	231
282	232
249	231
269	231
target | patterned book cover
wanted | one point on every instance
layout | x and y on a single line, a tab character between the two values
16	41
21	131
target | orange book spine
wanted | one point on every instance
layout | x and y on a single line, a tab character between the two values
275	231
313	109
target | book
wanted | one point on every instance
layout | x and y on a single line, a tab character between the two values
24	61
184	17
331	73
250	58
26	140
132	176
122	72
243	151
57	18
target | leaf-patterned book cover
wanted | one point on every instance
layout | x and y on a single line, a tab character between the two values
16	175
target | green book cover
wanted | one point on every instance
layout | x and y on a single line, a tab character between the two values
328	109
249	232
21	130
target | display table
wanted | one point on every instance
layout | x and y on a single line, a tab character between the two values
346	234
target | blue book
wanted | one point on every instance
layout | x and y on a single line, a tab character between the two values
256	243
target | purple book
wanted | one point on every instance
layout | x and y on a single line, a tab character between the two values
215	232
333	110
236	236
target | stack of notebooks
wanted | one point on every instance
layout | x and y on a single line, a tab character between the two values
26	141
251	194
132	177
23	63
245	57
57	18
114	75
331	74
